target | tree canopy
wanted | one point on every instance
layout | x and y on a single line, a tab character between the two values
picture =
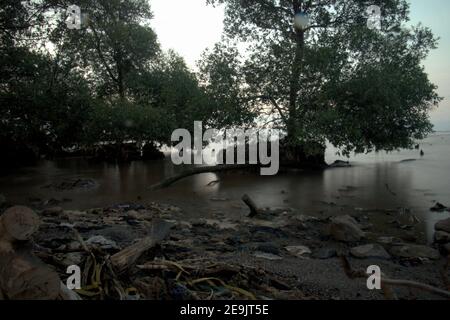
108	81
336	80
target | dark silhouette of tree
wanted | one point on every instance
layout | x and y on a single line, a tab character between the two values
335	79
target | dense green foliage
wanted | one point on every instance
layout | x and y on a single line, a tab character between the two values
106	82
336	80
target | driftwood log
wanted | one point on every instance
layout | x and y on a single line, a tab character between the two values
254	210
126	258
67	294
23	276
17	224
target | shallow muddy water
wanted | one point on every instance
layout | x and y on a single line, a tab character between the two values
400	181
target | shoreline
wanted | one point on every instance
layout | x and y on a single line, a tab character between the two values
276	255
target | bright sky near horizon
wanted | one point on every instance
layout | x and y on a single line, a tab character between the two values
190	26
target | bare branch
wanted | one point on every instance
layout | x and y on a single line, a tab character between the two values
102	57
387	282
273	101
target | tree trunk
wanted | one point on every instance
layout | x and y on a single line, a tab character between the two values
295	78
198	170
293	153
295	86
254	210
22	275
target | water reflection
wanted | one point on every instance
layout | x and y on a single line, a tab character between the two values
376	181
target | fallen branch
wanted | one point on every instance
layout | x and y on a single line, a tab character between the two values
199	170
125	259
389	190
213	183
387	282
67	294
254	210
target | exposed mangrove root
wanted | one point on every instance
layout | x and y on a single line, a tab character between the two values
199	170
387	283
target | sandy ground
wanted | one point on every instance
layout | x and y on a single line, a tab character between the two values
259	243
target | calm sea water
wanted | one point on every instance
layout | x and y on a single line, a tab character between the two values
375	181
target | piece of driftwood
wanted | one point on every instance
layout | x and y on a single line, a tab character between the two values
23	276
67	294
254	210
126	258
213	183
199	170
387	283
17	224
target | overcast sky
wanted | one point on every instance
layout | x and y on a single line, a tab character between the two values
189	27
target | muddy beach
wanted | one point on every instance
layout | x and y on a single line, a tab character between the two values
278	254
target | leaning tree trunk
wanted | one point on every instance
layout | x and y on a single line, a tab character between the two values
296	71
292	152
